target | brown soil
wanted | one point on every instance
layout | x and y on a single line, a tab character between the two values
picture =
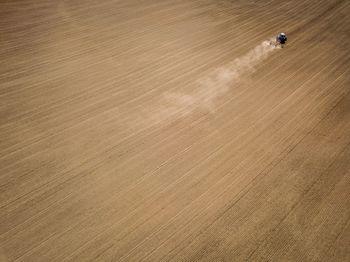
152	130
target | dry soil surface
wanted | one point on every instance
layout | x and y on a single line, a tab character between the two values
172	130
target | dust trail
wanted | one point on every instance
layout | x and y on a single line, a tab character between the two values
216	84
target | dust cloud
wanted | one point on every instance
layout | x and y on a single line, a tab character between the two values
216	84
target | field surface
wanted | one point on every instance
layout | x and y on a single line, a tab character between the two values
146	130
